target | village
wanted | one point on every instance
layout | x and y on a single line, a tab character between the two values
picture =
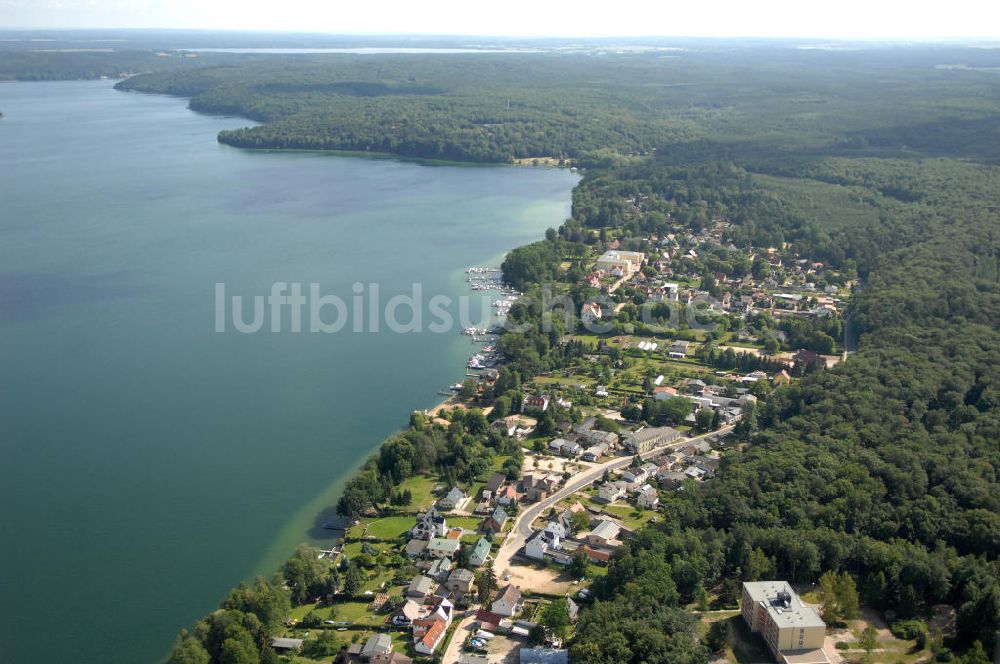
496	571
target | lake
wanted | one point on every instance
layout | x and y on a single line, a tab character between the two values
149	462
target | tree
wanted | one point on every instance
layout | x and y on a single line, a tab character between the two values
579	564
704	418
839	597
555	616
188	650
239	648
324	645
469	389
486	583
354	579
868	640
579	521
719	636
538	635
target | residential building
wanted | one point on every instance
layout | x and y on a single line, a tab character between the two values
391	658
537	547
377	644
535	402
793	631
648	438
460	580
595	452
429	524
590	312
480	552
604	533
427	637
495	521
443	547
453	499
283	645
508	602
420	587
648	497
609	492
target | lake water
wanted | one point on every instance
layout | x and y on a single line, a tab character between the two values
147	462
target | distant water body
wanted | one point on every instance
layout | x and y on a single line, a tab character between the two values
147	462
373	50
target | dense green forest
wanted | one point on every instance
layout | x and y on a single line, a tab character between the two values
719	104
882	162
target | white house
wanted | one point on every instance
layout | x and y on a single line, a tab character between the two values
648	497
508	602
454	498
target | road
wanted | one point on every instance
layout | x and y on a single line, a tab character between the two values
521	530
462	632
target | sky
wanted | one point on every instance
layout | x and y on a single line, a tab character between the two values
840	19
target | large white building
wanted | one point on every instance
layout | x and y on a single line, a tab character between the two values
628	262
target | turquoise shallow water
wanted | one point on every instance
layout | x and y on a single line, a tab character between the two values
148	463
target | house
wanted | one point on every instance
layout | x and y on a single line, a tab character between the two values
601	391
427	637
598	437
443	547
415	548
635	475
590	312
495	522
408	612
420	587
537	547
596	555
507	495
792	630
439	569
453	499
781	378
670	480
604	533
542	655
535	402
595	452
664	393
609	492
284	645
508	602
678	348
648	497
493	485
592	280
460	581
566	448
538	487
429	524
391	658
506	426
647	438
377	644
480	552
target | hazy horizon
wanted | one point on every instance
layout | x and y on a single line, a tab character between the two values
851	20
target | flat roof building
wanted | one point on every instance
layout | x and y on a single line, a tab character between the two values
792	630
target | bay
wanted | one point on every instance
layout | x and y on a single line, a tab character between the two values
148	462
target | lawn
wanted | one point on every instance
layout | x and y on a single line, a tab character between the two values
422	488
390	527
630	517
